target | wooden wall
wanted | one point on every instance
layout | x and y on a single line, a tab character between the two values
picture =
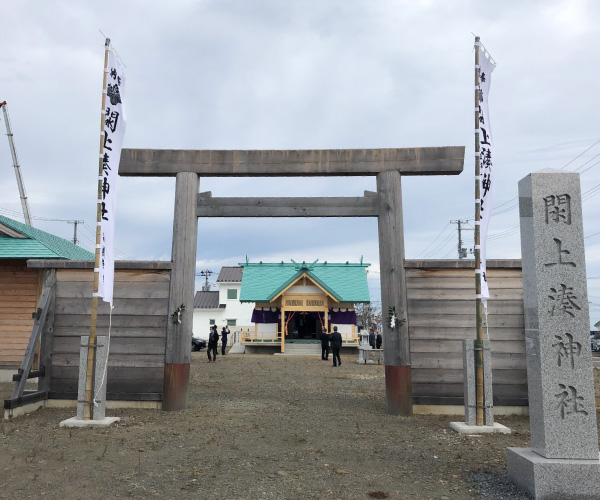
137	345
441	312
19	296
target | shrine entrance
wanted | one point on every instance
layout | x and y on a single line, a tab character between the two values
387	165
304	327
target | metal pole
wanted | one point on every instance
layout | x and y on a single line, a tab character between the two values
478	304
13	151
91	359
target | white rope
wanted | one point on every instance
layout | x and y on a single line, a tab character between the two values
106	361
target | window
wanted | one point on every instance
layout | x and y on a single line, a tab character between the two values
231	293
211	322
231	322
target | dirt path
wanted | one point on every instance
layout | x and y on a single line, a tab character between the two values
258	427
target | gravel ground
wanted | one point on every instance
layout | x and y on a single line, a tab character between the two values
260	427
495	487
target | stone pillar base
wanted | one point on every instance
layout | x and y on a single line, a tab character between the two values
77	422
463	428
552	478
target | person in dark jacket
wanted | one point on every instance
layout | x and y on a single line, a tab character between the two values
378	340
372	337
213	340
224	333
324	344
336	345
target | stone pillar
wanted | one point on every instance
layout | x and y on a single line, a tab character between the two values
563	459
396	345
183	256
469	381
99	392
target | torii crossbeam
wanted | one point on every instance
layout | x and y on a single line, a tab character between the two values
388	165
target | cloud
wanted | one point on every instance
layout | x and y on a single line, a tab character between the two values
232	74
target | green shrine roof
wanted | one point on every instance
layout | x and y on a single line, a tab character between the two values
262	282
20	241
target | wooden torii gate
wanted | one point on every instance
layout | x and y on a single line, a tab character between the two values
388	165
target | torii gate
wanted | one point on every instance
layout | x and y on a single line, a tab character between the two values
388	165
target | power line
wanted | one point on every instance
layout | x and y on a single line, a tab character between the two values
502	234
91	243
584	164
92	236
442	245
434	240
579	155
508	209
591	235
12	213
590	192
448	254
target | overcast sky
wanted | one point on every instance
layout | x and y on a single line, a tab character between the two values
323	74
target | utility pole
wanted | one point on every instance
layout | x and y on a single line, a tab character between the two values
462	252
205	273
75	222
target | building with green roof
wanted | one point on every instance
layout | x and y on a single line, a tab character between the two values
21	287
20	241
300	299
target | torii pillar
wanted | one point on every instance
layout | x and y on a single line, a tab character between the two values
396	344
388	165
181	292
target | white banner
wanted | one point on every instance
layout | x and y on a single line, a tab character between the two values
114	130
486	162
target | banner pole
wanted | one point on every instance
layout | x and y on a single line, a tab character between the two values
91	358
478	304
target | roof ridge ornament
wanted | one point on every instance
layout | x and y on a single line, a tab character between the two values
304	265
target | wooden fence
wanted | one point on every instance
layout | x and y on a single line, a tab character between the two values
441	312
138	328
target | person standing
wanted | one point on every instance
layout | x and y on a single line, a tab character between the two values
336	345
372	337
324	344
378	340
213	340
224	333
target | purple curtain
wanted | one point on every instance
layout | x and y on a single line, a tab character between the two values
269	316
339	317
342	318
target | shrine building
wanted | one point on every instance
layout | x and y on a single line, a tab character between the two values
295	301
